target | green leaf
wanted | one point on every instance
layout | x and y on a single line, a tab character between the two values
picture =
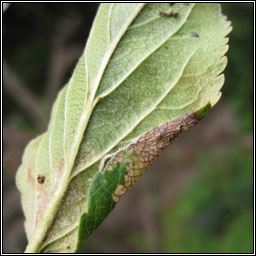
145	76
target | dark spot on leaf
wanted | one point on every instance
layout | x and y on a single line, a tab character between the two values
99	99
194	34
68	247
172	4
40	179
168	14
166	47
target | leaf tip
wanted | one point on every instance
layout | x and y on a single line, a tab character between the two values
202	112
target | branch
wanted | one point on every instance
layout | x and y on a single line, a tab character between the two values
61	56
23	97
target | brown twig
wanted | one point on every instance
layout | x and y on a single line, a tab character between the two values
23	97
60	56
55	73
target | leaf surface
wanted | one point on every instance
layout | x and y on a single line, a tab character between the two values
139	72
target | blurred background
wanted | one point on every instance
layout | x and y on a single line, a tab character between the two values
196	198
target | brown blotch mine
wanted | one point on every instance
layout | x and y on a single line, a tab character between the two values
40	179
147	148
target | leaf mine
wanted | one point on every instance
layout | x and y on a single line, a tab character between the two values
141	154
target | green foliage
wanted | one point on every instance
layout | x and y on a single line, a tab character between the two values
204	111
239	73
214	214
100	202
